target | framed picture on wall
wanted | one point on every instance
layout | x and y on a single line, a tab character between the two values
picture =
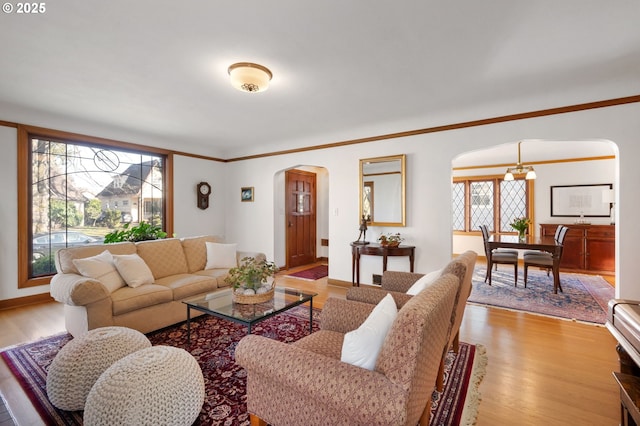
246	193
580	200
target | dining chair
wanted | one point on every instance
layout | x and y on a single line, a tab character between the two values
556	235
498	256
545	260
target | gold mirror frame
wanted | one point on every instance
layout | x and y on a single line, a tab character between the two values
372	169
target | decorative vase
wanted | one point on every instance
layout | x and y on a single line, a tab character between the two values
521	235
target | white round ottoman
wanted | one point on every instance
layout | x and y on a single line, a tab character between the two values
160	385
80	362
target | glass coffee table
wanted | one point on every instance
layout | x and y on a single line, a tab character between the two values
220	304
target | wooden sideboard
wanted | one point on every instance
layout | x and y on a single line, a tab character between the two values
587	248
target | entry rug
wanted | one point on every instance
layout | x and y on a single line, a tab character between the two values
585	297
213	343
312	274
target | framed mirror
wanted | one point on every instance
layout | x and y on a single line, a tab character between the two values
382	190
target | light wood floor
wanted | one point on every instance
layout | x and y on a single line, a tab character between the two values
541	371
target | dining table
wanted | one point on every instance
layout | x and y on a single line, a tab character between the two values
545	243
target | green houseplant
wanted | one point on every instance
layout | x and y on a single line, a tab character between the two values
142	232
521	224
249	280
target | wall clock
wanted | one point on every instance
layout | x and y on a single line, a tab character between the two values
204	191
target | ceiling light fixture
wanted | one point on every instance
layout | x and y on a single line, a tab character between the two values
520	169
249	77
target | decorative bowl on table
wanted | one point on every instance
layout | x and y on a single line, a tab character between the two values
252	281
263	294
390	240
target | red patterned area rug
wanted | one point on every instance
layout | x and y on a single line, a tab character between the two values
213	343
312	274
584	298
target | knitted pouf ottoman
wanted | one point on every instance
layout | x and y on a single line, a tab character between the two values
160	385
80	362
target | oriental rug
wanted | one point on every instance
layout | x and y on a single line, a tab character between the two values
213	343
312	274
584	298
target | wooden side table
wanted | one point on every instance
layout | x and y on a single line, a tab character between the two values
374	249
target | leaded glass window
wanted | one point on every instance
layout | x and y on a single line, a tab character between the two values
81	191
492	202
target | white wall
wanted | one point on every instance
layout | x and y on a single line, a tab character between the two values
429	158
189	220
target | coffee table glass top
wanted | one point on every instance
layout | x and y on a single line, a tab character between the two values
221	303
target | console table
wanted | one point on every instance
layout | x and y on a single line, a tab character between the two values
374	249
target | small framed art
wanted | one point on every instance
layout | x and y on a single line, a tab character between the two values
246	193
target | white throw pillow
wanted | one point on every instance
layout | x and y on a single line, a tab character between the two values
133	269
221	256
424	282
362	346
101	268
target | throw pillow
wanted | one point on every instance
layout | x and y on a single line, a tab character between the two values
424	282
101	268
133	269
221	256
361	347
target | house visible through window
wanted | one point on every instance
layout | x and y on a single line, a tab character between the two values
489	201
81	191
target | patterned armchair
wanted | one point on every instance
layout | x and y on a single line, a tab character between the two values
306	383
397	283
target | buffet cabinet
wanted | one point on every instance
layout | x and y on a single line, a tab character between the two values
587	248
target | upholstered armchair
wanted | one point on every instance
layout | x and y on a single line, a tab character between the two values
397	283
306	382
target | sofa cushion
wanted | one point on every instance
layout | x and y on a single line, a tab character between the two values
101	268
221	256
362	346
64	257
127	299
196	252
164	257
218	274
133	269
187	285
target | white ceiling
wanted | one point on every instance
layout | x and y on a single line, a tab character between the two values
342	69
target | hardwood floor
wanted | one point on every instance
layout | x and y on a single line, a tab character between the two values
541	371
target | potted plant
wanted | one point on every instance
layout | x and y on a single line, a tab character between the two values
390	239
142	232
521	224
250	280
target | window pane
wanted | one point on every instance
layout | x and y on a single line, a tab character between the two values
513	202
81	192
481	204
458	206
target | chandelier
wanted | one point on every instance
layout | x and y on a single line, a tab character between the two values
519	169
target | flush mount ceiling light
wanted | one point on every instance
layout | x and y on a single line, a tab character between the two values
249	77
519	169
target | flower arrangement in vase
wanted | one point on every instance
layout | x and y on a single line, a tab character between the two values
250	280
390	239
521	224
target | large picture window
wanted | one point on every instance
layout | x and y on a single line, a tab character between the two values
489	201
78	191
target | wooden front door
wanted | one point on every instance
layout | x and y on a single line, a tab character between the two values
300	203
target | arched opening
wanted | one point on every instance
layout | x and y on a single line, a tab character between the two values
281	222
558	164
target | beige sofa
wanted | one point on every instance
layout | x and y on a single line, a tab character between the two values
178	268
